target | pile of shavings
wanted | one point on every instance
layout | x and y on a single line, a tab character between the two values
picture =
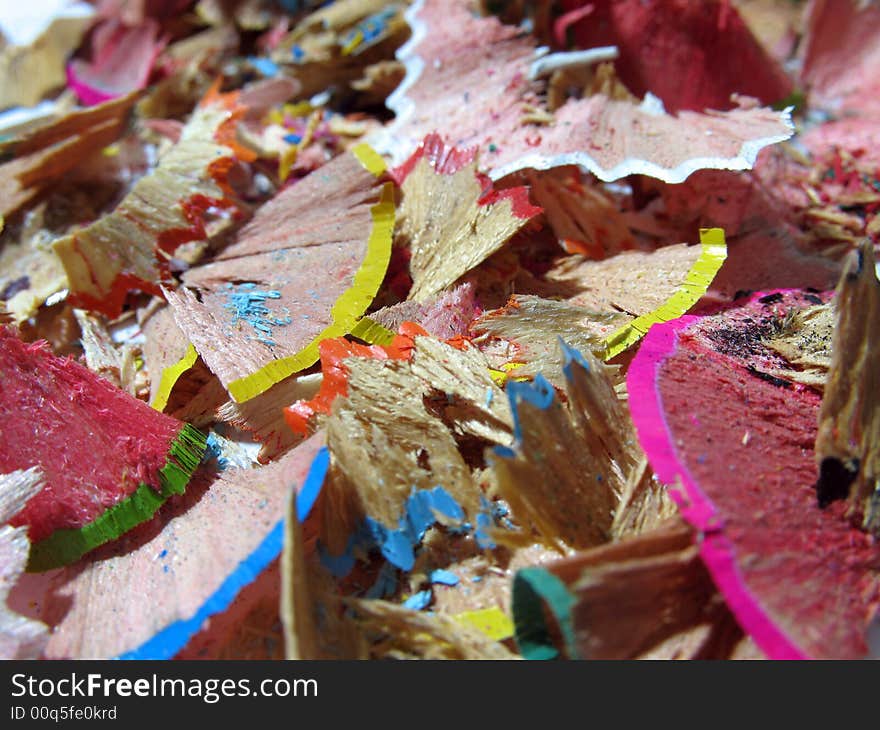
439	329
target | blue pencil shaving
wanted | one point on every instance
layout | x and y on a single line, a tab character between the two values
492	514
214	452
248	304
444	577
418	601
423	509
368	30
264	66
484	522
570	356
399	546
539	393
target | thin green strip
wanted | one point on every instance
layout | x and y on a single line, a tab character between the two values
67	545
536	590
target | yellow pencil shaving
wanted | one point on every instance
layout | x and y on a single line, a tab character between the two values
286	161
171	375
697	281
499	377
369	158
288	158
492	622
353	43
345	313
371	332
299	109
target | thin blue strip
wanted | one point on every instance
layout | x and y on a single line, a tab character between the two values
311	488
539	393
571	355
170	640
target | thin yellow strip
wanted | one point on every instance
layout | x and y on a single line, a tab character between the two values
353	43
499	377
345	313
371	332
493	622
288	158
697	281
369	158
171	375
299	109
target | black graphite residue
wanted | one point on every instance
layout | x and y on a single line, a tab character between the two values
835	479
772	379
745	338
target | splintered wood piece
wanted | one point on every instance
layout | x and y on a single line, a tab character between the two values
445	316
522	336
583	218
32	70
335	44
41	157
394	436
304	269
301	634
458	376
20	637
312	615
805	343
501	114
848	442
202	551
616	299
738	444
128	248
396	632
302	415
462	391
74	124
264	415
112	361
567	473
646	596
450	216
30	272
